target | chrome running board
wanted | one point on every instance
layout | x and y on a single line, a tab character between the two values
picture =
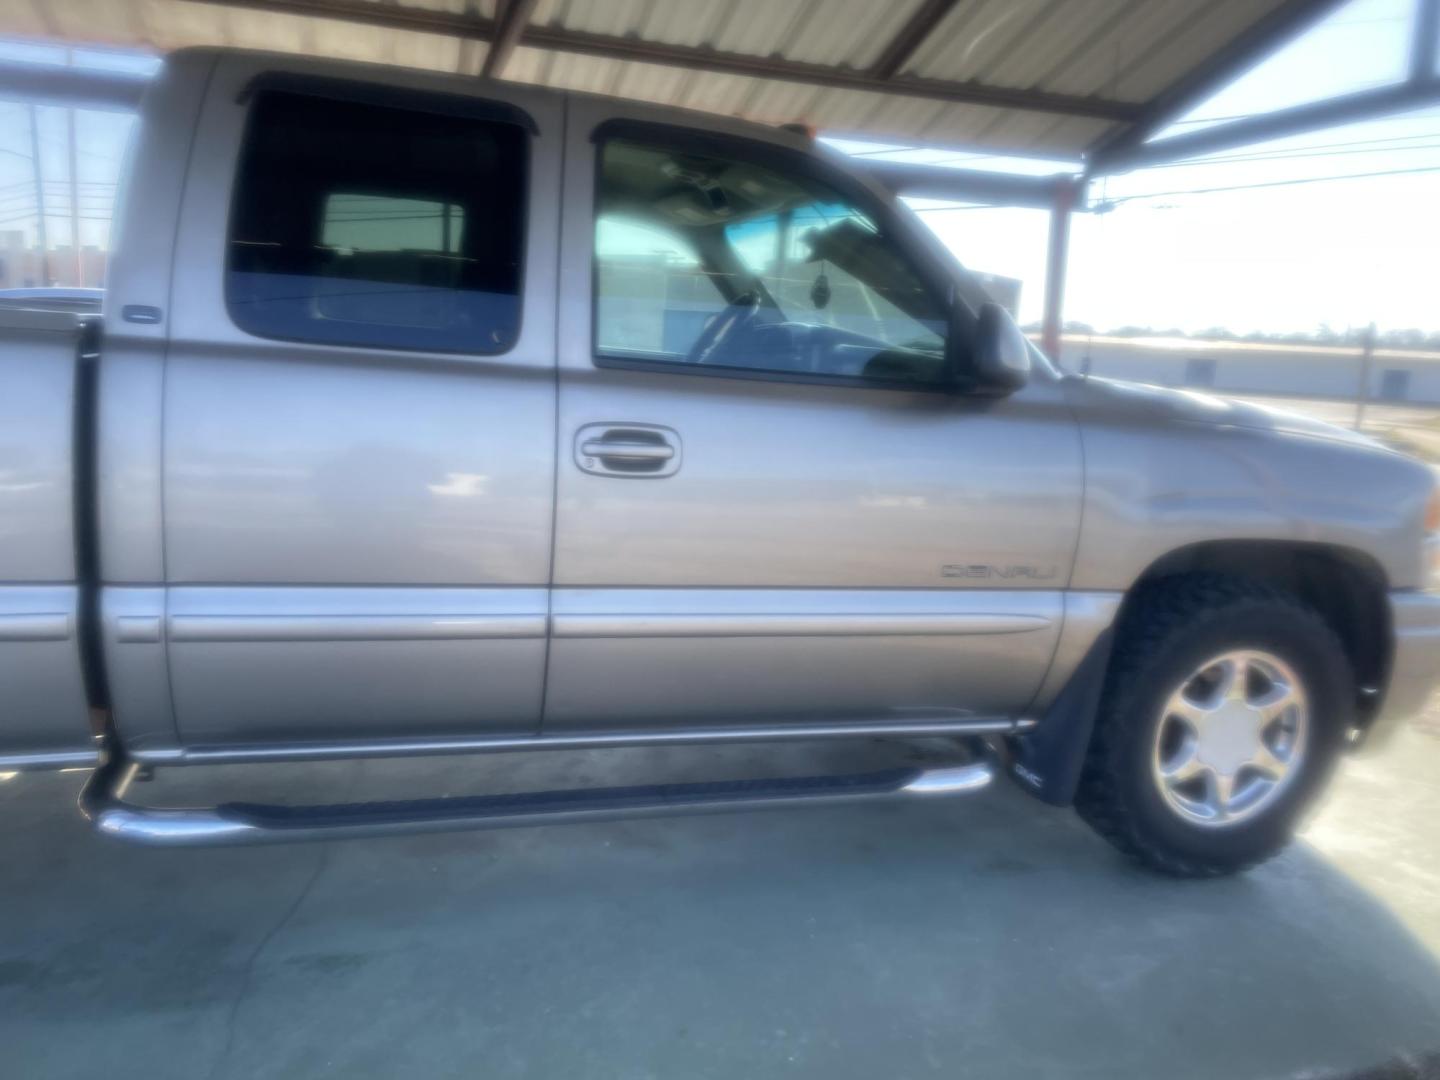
103	802
909	724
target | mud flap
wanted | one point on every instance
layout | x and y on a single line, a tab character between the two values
1047	760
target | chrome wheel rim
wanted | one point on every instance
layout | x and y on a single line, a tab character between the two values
1231	738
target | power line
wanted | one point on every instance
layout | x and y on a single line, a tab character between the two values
1296	153
1116	199
1390	144
1277	183
27	218
1323	150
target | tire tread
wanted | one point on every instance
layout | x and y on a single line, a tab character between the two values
1157	613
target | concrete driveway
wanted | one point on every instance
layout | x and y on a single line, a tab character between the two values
984	937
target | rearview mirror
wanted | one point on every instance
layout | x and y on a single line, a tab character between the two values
998	360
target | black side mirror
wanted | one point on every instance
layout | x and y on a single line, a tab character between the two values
998	359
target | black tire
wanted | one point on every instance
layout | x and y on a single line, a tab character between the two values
1170	627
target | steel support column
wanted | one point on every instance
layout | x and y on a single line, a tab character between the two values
1055	263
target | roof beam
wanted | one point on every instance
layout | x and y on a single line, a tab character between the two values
773	67
511	25
636	50
910	37
972	185
1346	109
1277	28
369	13
56	84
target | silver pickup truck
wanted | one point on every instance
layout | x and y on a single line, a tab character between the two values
429	415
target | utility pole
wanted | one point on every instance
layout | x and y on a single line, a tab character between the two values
39	199
1362	394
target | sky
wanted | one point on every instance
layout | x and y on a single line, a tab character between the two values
1275	259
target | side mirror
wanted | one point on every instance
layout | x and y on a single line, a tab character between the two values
998	360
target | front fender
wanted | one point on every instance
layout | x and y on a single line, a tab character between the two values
1155	484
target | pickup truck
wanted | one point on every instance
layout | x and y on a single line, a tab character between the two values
434	415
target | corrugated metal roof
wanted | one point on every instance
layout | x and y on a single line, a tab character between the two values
1071	71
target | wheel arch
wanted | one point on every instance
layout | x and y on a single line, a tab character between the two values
1348	587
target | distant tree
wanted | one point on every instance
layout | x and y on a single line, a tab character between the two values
1324	334
1410	338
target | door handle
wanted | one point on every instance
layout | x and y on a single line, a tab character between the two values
627	451
633	450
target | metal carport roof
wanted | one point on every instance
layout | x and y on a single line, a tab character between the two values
1052	78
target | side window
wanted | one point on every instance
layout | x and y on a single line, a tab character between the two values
704	260
640	262
387	227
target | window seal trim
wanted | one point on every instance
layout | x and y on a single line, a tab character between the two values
773	375
360	92
722	143
269	82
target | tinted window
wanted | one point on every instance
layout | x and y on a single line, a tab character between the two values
720	261
356	222
368	225
1395	385
1199	372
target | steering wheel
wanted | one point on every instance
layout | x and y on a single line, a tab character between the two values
720	329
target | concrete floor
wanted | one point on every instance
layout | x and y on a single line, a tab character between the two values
988	936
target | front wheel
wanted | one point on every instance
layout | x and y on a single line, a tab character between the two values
1224	711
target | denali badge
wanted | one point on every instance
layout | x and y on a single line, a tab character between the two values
982	570
1033	779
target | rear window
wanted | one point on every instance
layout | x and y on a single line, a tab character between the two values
387	227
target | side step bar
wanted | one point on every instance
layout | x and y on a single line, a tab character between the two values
103	802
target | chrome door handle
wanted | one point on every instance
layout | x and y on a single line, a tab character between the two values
633	450
627	451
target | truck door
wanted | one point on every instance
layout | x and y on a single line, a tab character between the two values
771	506
359	410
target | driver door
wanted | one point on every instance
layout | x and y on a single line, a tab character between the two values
801	522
